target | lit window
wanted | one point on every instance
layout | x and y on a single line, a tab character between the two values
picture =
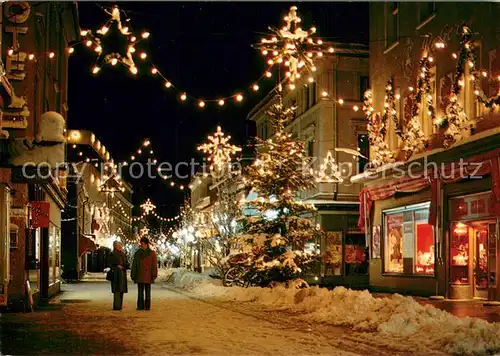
409	241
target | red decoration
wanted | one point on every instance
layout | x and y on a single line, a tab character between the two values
40	214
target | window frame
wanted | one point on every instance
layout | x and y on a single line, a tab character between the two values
391	14
414	207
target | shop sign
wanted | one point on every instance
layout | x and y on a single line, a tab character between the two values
40	214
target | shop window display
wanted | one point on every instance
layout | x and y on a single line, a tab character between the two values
332	257
409	241
459	253
356	255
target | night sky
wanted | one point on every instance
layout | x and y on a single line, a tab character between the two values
204	49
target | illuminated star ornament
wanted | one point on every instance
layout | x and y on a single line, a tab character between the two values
219	149
148	207
328	171
126	57
293	47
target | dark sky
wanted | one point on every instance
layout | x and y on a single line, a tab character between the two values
205	49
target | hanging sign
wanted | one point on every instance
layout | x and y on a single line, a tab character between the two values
40	214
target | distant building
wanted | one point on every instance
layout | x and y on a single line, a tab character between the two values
99	206
434	231
326	121
34	108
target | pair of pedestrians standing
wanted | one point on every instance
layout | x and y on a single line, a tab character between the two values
144	272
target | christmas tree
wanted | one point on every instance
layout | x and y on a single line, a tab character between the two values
276	235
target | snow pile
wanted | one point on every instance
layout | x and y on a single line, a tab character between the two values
185	279
51	127
396	317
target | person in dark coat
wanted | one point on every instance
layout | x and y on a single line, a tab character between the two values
118	263
144	272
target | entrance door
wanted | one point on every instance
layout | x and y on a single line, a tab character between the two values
480	260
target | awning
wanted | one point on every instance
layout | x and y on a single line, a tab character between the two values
475	166
86	243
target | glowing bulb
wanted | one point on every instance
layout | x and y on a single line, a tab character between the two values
454	55
183	97
255	87
268	74
431	59
239	97
311	79
52	55
98	49
324	94
355	108
410	89
280	60
172	184
133	39
320	54
398	96
476	92
95	70
114	61
201	104
124	30
145	34
485	74
31	56
71	50
221	102
275	53
84	32
270	62
144	55
292	86
265	52
88	43
131	49
320	42
340	101
154	70
313	29
133	69
104	30
313	69
181	187
168	85
331	50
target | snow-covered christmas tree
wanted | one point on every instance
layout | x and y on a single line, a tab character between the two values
276	234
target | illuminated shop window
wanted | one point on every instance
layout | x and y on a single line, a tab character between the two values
409	246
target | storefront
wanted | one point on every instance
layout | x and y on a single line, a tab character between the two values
473	234
435	232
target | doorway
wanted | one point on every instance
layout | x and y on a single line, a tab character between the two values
482	232
473	258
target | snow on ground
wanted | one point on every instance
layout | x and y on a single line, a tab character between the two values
397	317
175	325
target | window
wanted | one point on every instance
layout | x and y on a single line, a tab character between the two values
306	97
310	147
409	241
364	150
392	23
364	85
313	94
426	10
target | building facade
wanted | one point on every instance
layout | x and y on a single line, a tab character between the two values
429	204
99	206
34	108
329	119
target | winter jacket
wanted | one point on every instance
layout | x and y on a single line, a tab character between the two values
145	266
119	282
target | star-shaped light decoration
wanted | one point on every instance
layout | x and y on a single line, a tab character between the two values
328	171
148	207
293	47
94	40
219	150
